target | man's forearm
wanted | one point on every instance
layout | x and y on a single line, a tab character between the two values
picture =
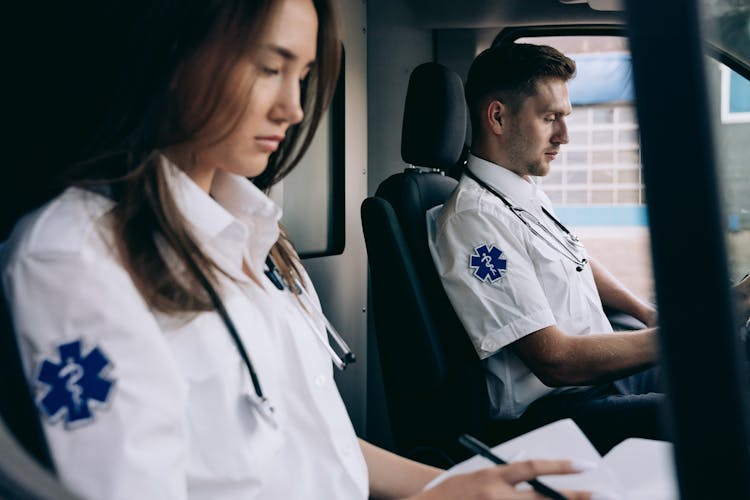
615	295
595	359
559	359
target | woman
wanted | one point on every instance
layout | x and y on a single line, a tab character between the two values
167	364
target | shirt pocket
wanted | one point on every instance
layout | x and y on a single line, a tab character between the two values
229	439
565	287
552	267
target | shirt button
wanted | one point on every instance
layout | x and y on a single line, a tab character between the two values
490	345
320	380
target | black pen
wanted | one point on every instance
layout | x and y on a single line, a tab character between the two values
480	448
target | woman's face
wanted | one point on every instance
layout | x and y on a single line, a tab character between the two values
285	53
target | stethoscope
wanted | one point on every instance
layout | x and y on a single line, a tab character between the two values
567	247
258	399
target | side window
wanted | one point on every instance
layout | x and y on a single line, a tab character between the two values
312	195
596	185
730	104
735	97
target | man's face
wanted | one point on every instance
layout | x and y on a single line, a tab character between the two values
537	128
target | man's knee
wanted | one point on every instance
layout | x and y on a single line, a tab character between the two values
609	421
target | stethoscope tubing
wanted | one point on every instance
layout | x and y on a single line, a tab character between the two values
265	408
340	364
229	324
562	248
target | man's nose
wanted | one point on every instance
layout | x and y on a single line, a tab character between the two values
561	137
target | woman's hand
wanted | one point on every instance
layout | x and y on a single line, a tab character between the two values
499	483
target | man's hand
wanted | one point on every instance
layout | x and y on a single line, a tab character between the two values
650	317
741	292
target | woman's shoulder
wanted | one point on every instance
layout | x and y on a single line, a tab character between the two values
71	224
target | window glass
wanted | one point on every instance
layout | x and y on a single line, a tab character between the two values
575	157
603	137
602	156
312	195
603	115
580	135
602	177
629	176
629	156
628	195
305	195
735	97
596	184
605	197
730	103
576	177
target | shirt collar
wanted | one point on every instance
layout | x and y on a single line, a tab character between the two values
224	219
522	192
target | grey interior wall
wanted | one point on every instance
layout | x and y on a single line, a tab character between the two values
341	280
394	47
456	49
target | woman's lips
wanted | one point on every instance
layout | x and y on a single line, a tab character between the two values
269	143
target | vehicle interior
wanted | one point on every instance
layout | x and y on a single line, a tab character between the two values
654	179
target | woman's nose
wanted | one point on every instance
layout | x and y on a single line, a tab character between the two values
289	104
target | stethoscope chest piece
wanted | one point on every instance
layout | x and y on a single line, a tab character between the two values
263	407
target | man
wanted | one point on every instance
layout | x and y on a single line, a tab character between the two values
525	290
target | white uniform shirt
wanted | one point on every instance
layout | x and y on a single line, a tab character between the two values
521	286
175	422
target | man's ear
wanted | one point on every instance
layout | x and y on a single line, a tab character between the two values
496	112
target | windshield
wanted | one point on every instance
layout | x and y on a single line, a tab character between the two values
728	28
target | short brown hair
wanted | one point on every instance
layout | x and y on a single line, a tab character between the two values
510	72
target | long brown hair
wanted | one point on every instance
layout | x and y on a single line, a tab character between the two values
169	94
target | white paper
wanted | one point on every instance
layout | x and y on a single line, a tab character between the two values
636	469
644	468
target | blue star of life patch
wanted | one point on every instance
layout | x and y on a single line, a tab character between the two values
74	384
488	263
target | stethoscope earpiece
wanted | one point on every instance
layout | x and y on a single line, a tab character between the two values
309	309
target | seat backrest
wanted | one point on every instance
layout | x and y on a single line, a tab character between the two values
17	409
433	379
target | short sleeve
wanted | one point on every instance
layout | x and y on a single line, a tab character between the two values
487	272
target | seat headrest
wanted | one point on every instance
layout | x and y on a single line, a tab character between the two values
434	128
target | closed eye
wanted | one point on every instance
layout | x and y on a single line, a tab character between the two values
267	70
